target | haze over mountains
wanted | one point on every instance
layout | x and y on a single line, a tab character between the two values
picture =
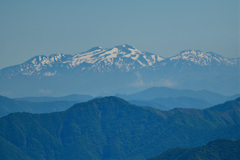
121	69
168	98
39	104
156	97
71	97
111	128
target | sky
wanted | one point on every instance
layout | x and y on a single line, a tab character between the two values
165	27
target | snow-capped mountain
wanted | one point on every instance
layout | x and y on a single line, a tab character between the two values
123	58
120	68
202	58
119	58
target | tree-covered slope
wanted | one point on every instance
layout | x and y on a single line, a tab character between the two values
110	128
220	149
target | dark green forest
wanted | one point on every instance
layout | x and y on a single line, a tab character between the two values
111	128
220	149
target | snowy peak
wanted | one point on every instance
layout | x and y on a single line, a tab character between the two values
123	57
47	59
126	49
188	54
125	46
39	63
202	58
95	49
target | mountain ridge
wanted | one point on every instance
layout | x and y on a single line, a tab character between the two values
122	58
110	128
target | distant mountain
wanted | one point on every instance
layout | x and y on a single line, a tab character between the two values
111	128
221	149
165	92
173	102
119	58
8	105
168	98
191	57
72	97
119	69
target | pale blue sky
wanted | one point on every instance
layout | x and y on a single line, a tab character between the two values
165	27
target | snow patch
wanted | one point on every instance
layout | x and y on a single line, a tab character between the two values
159	58
136	57
47	74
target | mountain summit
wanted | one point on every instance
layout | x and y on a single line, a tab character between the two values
203	58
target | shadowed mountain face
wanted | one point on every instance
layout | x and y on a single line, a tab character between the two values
111	128
221	149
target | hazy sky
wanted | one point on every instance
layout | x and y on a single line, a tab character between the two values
165	27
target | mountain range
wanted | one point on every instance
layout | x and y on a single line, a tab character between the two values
121	69
39	104
165	98
122	58
111	128
119	58
162	98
